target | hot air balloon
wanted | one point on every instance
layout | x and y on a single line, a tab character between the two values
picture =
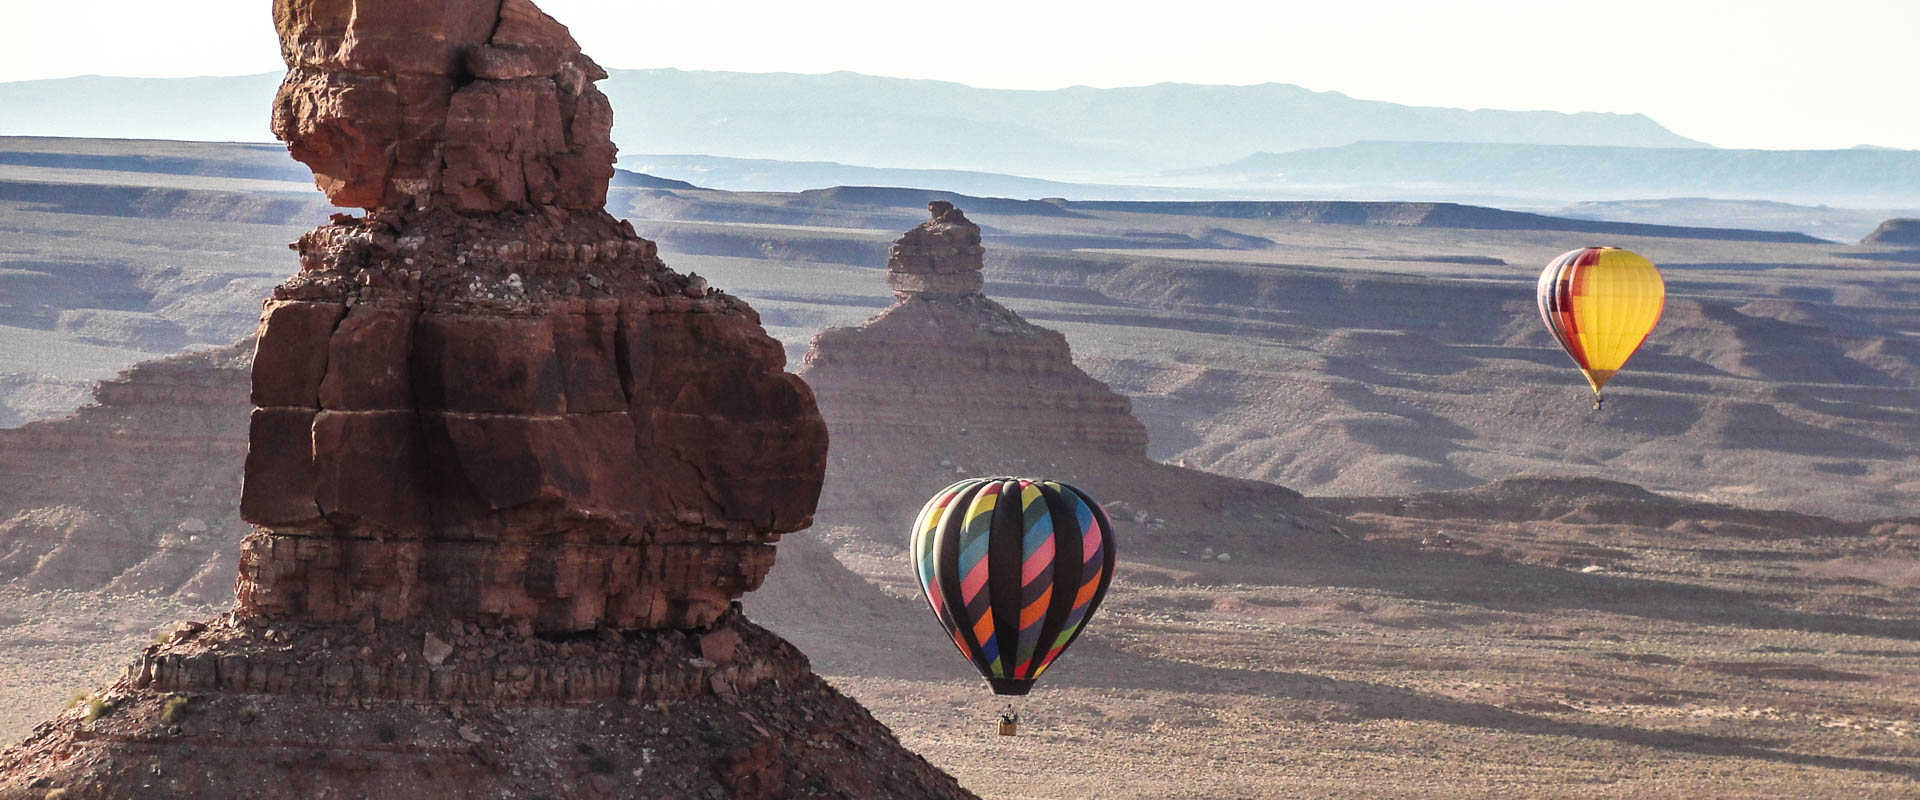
1013	568
1600	303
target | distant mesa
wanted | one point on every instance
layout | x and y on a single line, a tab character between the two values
1902	231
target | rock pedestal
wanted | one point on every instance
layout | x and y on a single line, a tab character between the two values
507	475
946	363
515	418
946	383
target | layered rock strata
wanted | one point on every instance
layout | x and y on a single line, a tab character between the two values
947	359
515	417
252	710
488	399
134	492
947	383
507	475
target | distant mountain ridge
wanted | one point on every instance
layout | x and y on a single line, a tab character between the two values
1872	177
1074	132
876	121
788	132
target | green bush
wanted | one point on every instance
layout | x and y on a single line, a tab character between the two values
174	709
97	707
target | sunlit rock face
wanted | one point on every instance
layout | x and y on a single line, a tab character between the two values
400	104
506	474
487	399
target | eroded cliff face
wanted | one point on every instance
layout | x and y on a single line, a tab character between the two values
135	492
507	474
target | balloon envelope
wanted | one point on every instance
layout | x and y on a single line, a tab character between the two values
1600	303
1013	568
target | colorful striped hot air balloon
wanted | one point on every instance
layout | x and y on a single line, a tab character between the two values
1600	303
1013	568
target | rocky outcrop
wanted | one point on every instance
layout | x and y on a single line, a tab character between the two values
1901	231
398	105
135	492
948	383
536	418
243	708
488	399
947	361
504	468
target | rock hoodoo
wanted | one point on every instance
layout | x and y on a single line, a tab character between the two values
946	361
507	474
947	383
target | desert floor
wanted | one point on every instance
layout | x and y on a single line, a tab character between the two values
1496	659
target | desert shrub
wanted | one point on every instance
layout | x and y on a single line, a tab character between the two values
97	707
174	709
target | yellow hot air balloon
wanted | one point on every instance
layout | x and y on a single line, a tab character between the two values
1600	303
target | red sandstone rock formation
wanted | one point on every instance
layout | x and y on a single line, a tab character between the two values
398	105
945	359
508	474
947	382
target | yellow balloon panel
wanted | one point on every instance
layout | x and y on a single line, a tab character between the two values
1601	303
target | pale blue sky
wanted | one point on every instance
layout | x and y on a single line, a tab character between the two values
1761	73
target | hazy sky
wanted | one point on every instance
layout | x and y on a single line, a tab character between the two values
1760	73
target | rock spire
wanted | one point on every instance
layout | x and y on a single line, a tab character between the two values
947	383
947	362
940	258
507	474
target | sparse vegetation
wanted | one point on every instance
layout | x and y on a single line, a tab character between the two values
97	707
386	734
174	709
